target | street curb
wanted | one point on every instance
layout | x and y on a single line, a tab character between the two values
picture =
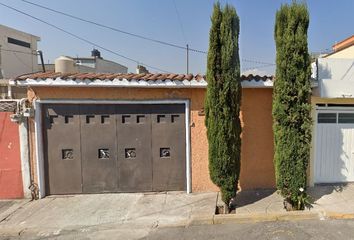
267	217
201	220
335	215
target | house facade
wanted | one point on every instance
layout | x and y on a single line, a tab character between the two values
18	52
96	133
332	158
18	55
118	132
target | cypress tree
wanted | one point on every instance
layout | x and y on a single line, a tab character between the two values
223	99
291	104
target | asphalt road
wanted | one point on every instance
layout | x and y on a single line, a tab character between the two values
282	230
311	229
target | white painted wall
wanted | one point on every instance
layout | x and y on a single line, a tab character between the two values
13	63
345	53
106	66
335	78
92	65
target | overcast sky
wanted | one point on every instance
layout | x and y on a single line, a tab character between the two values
174	21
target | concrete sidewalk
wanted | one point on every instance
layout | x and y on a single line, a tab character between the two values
136	215
331	201
334	200
56	214
329	198
8	207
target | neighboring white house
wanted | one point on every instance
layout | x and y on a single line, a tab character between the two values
93	64
343	49
333	104
17	52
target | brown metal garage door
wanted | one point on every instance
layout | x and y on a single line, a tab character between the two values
114	148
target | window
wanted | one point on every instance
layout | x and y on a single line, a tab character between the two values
345	117
18	42
327	118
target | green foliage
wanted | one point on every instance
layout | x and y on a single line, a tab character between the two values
291	103
222	105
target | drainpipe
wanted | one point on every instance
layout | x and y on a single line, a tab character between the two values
24	149
41	57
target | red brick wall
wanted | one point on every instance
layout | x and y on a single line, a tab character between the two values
10	159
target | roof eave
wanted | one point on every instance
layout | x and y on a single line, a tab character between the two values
124	83
58	82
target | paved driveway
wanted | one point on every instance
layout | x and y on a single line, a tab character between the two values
55	214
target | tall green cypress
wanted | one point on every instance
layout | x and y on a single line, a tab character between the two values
291	103
222	106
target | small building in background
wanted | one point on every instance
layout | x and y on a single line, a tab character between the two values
18	52
141	69
93	64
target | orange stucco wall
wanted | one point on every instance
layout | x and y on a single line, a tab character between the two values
262	161
257	168
10	160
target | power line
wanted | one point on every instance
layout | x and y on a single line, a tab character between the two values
257	62
112	28
179	20
81	38
17	57
20	60
132	34
257	67
15	51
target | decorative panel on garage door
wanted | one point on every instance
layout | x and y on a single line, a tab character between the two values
98	146
62	151
134	147
168	147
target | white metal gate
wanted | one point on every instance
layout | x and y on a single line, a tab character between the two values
334	150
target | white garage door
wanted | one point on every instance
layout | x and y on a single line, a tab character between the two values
334	154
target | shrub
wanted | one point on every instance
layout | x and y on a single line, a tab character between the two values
291	103
223	99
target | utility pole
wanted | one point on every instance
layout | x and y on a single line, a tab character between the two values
0	56
187	59
1	76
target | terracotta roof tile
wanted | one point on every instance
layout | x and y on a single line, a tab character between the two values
154	77
66	75
189	77
127	76
115	76
198	77
130	76
256	77
162	76
138	76
146	76
172	76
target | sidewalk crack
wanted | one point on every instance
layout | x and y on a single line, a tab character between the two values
266	210
8	217
156	224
